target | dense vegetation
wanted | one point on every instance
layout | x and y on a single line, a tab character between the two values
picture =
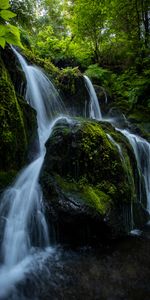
109	40
94	181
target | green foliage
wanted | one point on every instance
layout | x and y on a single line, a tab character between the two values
48	45
55	17
132	87
25	11
4	4
70	71
8	33
7	14
88	23
99	75
44	63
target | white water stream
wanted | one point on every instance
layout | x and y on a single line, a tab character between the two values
94	109
140	146
21	206
141	150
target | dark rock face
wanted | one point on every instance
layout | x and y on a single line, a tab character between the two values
87	188
14	69
74	92
18	127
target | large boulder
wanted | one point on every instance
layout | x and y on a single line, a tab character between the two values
89	189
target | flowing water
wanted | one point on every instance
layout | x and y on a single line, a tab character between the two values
140	146
117	146
94	109
105	94
22	213
21	206
141	150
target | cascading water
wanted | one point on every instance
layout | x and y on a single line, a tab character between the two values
105	94
140	146
94	109
21	207
141	150
117	146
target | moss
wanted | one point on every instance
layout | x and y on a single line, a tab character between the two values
88	194
12	131
90	170
83	150
46	64
29	119
68	78
139	116
6	178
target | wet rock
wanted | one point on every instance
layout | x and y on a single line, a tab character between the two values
87	188
18	126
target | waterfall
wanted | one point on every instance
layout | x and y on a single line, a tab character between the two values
140	146
117	146
105	94
94	109
127	214
21	207
141	150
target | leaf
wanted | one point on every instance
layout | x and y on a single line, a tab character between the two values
12	39
2	42
4	4
12	36
7	14
2	30
14	30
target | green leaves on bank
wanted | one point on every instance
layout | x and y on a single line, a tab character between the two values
7	14
4	4
8	33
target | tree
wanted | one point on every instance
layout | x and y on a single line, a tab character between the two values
25	11
88	23
54	16
130	21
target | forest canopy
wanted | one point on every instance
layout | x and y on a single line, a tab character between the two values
106	32
107	39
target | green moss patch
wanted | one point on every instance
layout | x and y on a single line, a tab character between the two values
6	178
87	194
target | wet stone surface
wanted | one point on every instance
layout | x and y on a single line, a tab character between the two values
116	271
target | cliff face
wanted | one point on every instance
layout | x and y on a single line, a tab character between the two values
18	126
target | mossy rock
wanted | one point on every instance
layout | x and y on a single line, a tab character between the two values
6	178
14	70
85	178
139	117
73	91
15	131
13	135
45	63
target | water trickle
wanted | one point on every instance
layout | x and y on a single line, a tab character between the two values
140	146
22	207
117	146
141	150
105	94
94	109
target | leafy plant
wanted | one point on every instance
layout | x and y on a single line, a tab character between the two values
8	33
